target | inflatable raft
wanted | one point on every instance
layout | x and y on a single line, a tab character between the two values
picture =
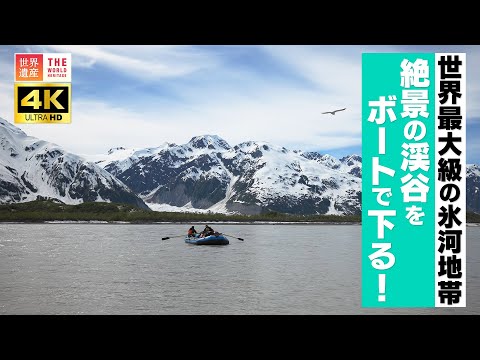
217	239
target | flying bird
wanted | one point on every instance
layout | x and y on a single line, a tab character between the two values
333	112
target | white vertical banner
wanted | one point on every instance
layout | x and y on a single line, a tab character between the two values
450	186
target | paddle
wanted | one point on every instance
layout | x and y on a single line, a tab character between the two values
234	237
172	237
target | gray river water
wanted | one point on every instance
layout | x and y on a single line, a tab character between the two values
128	269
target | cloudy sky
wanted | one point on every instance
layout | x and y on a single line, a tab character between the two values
144	95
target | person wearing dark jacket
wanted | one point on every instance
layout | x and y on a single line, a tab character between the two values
207	231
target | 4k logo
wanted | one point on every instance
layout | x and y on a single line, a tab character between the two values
42	103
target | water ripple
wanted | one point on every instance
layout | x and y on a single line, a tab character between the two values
128	269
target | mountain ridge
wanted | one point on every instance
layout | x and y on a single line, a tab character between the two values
208	174
204	175
31	168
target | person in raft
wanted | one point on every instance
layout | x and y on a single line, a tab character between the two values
207	231
192	232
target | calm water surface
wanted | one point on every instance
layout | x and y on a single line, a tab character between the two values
128	269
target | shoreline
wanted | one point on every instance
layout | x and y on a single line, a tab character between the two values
100	222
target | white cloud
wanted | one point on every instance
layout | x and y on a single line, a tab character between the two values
279	114
141	61
6	101
330	71
6	87
338	68
287	118
473	83
234	103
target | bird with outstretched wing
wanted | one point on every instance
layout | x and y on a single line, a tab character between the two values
334	111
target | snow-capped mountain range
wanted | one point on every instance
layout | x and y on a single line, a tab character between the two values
31	168
204	175
207	174
473	187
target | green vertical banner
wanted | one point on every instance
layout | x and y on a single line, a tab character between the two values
398	180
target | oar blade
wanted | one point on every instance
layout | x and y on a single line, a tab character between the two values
172	237
234	237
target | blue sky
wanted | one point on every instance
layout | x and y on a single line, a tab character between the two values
145	95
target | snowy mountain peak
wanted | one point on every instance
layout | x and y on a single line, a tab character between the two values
311	155
206	174
7	126
31	168
351	159
473	187
250	147
213	142
330	161
112	150
472	170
